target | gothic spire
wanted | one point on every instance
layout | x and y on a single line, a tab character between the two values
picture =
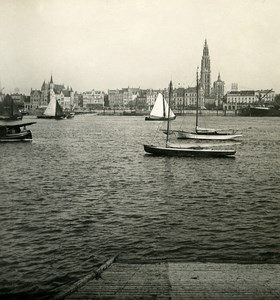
205	49
205	71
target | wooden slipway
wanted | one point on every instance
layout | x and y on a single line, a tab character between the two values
168	280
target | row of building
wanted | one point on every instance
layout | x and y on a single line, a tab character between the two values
140	99
209	96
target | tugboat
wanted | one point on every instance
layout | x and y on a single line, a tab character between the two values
15	132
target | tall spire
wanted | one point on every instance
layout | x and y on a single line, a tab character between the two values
51	79
205	71
205	49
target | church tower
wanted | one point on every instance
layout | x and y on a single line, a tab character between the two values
205	72
218	90
51	83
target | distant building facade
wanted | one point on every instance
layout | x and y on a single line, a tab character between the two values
93	99
186	98
218	91
235	100
122	98
35	99
41	98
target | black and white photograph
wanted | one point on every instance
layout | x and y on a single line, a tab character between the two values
139	149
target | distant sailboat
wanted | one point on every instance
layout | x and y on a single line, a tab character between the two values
53	111
9	110
160	110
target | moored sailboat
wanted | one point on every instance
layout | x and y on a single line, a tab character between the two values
206	133
185	150
160	110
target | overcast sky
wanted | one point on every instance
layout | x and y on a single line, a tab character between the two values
108	44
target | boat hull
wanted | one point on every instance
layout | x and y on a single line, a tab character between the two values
259	112
158	119
10	118
181	152
201	136
23	136
51	117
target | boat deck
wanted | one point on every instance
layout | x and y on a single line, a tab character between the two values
171	280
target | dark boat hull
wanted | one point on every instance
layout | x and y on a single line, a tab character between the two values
11	118
259	112
51	117
186	152
23	136
159	119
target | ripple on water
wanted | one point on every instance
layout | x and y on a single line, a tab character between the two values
84	191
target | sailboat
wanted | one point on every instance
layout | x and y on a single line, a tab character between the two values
206	133
160	110
53	111
185	150
9	110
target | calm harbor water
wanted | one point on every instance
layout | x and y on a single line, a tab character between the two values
84	191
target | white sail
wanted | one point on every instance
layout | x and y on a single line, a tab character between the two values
160	108
51	108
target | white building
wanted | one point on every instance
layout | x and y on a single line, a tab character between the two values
238	99
93	99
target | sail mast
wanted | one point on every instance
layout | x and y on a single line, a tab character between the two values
168	115
196	119
163	105
12	107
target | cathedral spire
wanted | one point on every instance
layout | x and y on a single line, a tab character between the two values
205	71
205	49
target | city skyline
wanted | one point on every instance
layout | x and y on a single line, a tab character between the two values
118	43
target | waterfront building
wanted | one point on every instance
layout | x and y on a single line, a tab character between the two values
35	99
151	96
205	71
235	100
67	98
140	102
93	99
185	98
114	98
178	99
190	97
126	97
123	98
98	99
41	98
78	99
